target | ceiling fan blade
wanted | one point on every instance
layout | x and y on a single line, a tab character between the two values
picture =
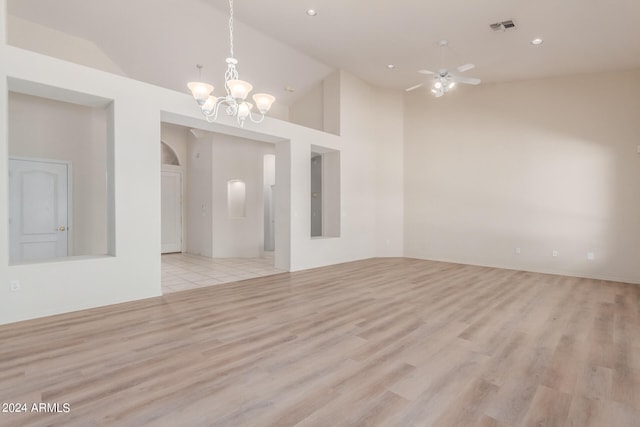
466	80
465	67
409	89
426	72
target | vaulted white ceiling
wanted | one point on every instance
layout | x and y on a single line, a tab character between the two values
280	45
580	36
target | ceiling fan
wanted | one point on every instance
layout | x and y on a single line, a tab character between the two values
443	80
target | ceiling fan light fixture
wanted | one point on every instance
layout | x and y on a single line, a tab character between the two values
443	80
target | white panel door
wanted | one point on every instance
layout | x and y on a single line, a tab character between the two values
38	217
171	213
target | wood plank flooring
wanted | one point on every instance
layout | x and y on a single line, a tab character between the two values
390	342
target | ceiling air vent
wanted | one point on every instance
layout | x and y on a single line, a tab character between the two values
503	26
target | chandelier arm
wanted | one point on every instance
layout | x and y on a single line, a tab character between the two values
213	114
258	120
217	108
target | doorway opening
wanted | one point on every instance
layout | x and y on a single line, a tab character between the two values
171	201
325	192
171	214
220	196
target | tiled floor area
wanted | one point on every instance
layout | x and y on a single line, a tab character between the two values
185	271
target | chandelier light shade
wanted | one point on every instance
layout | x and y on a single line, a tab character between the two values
237	92
200	91
239	89
263	101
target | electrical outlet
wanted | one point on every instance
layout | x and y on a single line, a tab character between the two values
15	285
517	251
591	256
554	253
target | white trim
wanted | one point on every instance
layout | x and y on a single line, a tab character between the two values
172	168
554	272
179	170
175	153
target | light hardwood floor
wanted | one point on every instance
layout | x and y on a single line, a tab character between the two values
393	342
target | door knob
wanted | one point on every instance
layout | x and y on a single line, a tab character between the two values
61	228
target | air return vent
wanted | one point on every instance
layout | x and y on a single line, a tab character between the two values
503	26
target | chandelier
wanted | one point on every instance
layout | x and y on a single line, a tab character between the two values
237	91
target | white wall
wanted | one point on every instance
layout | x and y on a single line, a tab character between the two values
319	108
214	160
371	223
176	138
279	111
268	188
199	195
373	116
372	119
134	273
47	129
38	38
309	110
243	159
541	165
331	102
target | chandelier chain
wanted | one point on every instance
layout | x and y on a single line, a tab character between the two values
231	26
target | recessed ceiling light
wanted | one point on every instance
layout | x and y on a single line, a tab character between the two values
537	41
289	89
391	66
312	12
